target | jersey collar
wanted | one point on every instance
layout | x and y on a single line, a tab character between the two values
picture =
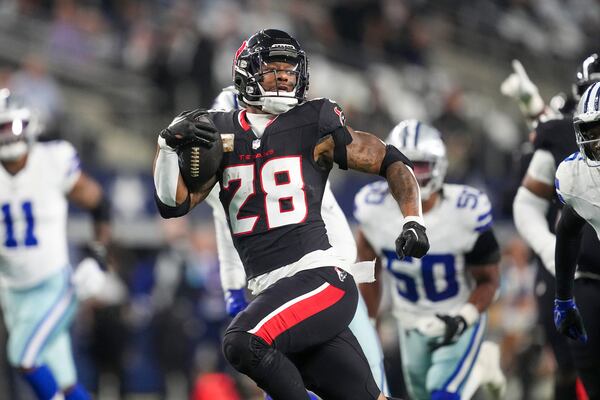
243	121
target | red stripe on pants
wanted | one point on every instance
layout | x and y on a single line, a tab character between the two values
298	312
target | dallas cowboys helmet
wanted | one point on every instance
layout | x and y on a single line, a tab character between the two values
587	73
587	125
265	46
19	127
423	145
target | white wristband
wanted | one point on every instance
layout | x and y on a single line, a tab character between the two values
166	174
470	313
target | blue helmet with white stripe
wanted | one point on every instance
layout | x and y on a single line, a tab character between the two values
19	127
424	146
587	125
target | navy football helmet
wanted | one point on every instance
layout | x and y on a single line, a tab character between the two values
266	46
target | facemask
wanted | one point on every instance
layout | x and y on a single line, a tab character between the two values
13	151
278	104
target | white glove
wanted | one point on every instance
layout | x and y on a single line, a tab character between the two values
519	87
88	279
435	326
431	326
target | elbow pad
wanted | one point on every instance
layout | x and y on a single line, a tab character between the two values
392	154
172	212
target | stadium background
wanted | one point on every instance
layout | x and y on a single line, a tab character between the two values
108	74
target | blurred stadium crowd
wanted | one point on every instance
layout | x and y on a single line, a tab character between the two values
107	73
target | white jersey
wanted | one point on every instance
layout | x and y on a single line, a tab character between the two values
437	283
578	186
232	270
33	214
226	100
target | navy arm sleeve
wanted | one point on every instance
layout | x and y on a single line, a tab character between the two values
485	251
568	240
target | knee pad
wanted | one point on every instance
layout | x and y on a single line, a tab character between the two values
443	395
243	350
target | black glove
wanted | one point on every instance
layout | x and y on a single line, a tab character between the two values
412	241
455	326
98	252
191	128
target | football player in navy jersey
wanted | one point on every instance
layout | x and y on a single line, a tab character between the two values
295	333
535	211
233	277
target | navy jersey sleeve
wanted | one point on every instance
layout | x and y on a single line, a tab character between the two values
556	136
485	251
331	118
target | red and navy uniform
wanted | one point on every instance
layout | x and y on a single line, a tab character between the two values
279	219
294	334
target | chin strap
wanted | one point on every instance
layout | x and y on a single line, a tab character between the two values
278	105
13	151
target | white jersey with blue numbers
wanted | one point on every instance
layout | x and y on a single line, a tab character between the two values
226	100
437	283
33	214
578	186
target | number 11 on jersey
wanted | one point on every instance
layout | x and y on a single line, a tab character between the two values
10	239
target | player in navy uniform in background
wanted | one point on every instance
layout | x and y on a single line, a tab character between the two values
295	333
536	209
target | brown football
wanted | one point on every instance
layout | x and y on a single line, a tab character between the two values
198	164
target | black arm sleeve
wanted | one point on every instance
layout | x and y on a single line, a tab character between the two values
568	240
341	138
392	154
172	212
101	213
485	251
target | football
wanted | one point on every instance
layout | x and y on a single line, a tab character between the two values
198	164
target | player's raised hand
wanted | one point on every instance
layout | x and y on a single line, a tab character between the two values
519	87
190	128
568	321
235	301
412	241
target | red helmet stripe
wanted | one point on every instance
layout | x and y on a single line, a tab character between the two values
239	51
